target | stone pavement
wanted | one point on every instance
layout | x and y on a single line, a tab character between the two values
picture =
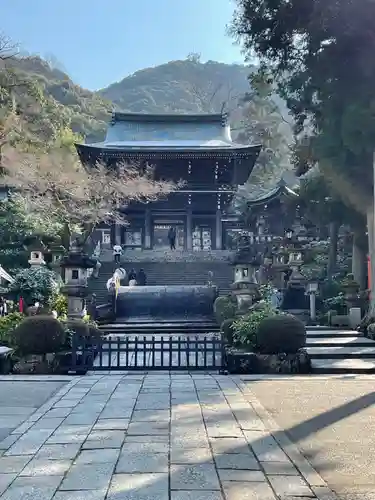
155	436
20	397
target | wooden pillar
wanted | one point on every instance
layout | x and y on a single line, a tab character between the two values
219	230
147	241
189	229
117	230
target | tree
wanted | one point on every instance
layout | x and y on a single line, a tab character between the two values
324	209
58	188
36	285
262	123
320	54
16	225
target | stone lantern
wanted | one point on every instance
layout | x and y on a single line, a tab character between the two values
279	265
37	251
295	260
351	290
75	266
295	300
245	286
57	252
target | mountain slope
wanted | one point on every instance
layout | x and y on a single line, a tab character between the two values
185	86
48	101
55	102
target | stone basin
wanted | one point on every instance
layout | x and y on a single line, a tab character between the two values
166	301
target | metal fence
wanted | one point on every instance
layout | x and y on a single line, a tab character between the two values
147	353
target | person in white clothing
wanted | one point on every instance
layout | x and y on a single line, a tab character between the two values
117	252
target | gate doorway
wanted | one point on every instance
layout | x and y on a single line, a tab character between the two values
147	353
160	234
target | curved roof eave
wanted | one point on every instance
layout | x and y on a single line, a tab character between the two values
278	191
233	149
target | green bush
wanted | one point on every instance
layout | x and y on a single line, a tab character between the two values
94	331
282	333
36	285
227	330
78	326
60	304
84	329
224	308
7	324
39	335
246	327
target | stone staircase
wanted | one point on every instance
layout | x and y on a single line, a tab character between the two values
169	268
149	326
130	255
340	351
185	273
98	285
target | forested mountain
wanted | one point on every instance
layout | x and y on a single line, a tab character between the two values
186	86
51	104
48	101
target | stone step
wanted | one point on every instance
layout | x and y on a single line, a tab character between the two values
344	352
352	365
328	333
339	342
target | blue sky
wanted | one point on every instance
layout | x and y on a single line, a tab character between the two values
99	42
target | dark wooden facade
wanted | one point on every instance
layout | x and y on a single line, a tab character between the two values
196	149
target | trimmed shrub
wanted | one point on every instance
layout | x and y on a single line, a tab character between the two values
79	327
227	330
94	331
224	308
246	327
282	333
60	304
39	335
7	324
87	330
83	328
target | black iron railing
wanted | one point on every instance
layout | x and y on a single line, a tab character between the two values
147	353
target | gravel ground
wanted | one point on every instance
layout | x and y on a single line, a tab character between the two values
332	421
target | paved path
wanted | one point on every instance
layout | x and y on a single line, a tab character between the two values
20	397
155	436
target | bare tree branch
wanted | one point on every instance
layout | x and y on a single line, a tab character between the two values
8	49
58	187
